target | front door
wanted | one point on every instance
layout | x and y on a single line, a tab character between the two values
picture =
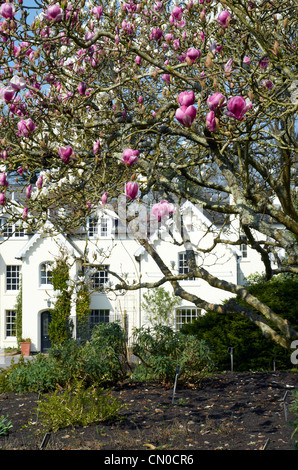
45	339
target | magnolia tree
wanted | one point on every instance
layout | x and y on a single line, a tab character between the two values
194	101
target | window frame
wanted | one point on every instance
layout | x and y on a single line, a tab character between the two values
10	323
192	316
47	276
99	278
14	269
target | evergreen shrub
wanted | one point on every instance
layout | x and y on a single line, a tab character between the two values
161	351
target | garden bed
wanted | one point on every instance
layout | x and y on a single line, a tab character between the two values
231	411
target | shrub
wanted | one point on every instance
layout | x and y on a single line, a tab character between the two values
103	361
106	354
161	350
252	350
39	374
77	407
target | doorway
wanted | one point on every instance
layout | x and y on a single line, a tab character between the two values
45	320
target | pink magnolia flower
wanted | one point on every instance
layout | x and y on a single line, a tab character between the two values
246	60
17	83
2	199
7	93
26	127
156	34
3	179
96	147
54	13
223	17
268	84
65	153
97	12
216	101
166	78
186	98
186	115
130	156
131	189
162	209
237	107
138	60
210	121
193	54
25	213
28	191
228	67
177	13
104	198
7	10
39	182
82	88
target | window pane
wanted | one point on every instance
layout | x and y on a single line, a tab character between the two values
12	277
11	322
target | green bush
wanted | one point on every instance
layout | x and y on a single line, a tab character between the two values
39	374
252	351
103	361
161	350
106	354
77	406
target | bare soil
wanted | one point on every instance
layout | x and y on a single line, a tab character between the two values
229	411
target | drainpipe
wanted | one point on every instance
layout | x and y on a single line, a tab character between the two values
138	258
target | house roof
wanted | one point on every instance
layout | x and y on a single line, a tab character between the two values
65	240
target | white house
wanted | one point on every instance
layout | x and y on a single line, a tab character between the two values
25	259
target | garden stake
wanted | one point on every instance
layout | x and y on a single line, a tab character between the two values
285	405
266	444
230	350
175	383
45	440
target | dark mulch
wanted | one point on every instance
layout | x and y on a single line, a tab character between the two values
231	411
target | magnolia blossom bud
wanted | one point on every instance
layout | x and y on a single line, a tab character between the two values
7	94
3	179
162	209
26	127
130	156
186	98
215	101
39	182
82	88
210	121
25	213
96	147
54	13
65	153
104	198
28	191
237	107
131	189
186	115
17	83
2	199
193	54
223	18
7	10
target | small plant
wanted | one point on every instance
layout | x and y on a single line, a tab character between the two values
5	425
77	407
